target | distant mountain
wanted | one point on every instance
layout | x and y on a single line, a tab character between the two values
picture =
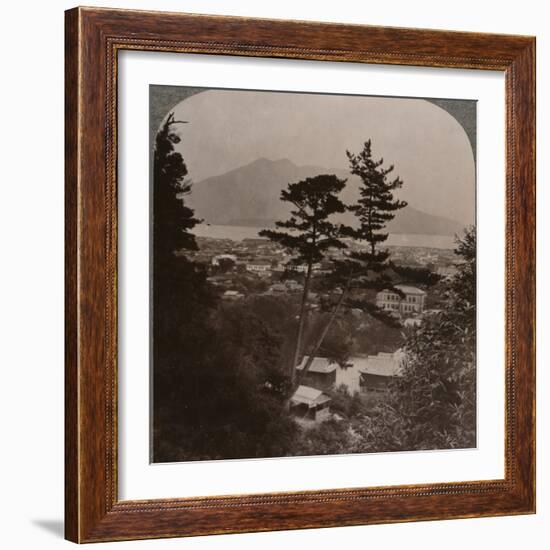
250	196
410	221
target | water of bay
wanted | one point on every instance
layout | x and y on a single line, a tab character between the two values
239	233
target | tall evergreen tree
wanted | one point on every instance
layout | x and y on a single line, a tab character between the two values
216	366
178	284
376	205
172	219
181	295
310	234
364	269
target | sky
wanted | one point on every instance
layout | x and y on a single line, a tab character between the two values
428	147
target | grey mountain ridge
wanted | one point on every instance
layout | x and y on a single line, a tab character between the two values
250	196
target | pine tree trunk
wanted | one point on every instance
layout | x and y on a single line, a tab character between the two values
323	334
301	324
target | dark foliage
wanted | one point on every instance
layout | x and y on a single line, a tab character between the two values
231	401
182	299
376	205
217	384
172	219
415	275
365	269
310	234
433	405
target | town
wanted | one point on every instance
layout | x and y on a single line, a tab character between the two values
240	269
252	266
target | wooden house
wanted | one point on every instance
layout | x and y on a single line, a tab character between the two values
310	404
380	370
320	375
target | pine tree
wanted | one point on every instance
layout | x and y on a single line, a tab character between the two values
216	370
376	205
182	298
178	283
172	219
364	269
310	234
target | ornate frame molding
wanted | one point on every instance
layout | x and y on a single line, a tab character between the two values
93	39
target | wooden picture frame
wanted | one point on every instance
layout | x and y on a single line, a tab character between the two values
93	511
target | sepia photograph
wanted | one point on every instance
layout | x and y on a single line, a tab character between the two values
313	274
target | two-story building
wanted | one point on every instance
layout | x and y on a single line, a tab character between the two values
412	302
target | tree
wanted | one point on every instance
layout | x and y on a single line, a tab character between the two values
364	269
376	205
231	404
415	275
463	283
225	265
218	387
179	285
173	220
310	234
433	404
182	298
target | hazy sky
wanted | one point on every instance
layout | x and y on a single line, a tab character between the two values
429	148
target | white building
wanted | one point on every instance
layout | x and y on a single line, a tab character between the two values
258	267
302	268
413	301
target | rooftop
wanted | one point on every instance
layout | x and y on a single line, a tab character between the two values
320	364
405	289
384	364
309	396
410	290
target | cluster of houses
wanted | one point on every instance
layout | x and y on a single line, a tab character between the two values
371	374
257	256
267	267
285	287
263	257
311	401
263	260
431	258
375	372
